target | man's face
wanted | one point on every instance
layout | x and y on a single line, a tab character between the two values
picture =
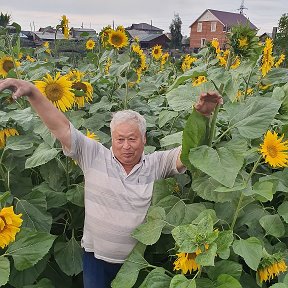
127	144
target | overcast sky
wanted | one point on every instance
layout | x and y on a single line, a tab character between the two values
31	14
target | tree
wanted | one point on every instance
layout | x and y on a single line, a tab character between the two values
175	29
4	19
281	39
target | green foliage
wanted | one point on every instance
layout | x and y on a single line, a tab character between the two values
175	30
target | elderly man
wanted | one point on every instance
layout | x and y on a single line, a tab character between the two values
118	181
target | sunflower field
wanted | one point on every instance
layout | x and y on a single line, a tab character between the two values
222	224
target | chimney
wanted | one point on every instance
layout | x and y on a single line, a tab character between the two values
274	32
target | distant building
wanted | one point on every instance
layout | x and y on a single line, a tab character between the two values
213	24
77	32
148	35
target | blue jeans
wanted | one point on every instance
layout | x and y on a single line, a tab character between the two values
98	273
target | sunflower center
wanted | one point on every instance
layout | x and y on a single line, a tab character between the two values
116	40
79	86
8	65
272	151
54	92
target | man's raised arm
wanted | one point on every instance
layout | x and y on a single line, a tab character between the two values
55	120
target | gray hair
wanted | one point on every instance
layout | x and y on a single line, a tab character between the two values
128	116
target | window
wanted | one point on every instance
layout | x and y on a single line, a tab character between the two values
199	27
213	26
203	42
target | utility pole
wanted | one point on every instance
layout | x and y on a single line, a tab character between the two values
242	7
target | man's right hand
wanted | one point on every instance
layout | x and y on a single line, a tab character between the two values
18	87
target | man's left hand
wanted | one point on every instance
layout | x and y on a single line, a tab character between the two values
207	102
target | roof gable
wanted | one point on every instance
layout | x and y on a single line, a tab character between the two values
228	19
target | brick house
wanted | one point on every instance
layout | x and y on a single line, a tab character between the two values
213	24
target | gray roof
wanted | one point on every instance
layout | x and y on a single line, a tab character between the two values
229	19
49	36
144	27
150	37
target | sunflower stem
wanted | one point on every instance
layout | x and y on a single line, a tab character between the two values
242	194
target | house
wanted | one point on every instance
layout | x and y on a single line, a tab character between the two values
29	39
213	24
78	32
148	35
264	36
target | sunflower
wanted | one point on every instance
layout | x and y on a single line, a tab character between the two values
30	59
83	90
280	60
5	133
92	135
57	90
186	261
187	62
46	45
90	44
222	57
9	225
64	26
7	64
104	35
118	39
243	42
215	44
267	57
274	150
236	63
270	267
164	59
199	80
107	65
156	52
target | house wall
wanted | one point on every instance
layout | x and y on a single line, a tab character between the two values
206	33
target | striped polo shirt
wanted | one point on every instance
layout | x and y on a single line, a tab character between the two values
116	202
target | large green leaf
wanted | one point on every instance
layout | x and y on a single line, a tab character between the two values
206	258
253	117
76	195
156	279
161	189
283	211
166	116
224	241
181	98
68	256
273	225
43	283
28	276
41	155
251	251
149	232
4	270
222	164
231	268
180	281
29	248
227	281
129	271
33	208
207	188
171	140
176	215
194	135
21	142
